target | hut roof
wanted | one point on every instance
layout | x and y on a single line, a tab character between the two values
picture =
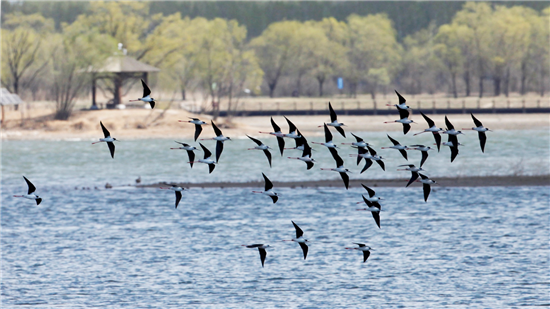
126	64
7	98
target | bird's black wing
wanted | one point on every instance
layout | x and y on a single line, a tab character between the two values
191	157
448	124
207	153
341	131
360	151
369	203
198	130
360	245
178	198
376	216
395	143
146	90
276	128
105	131
216	129
211	168
152	103
482	140
299	231
430	122
401	98
357	138
406	128
268	155
111	149
304	249
38	201
268	183
32	188
366	254
372	152
414	176
345	178
476	122
437	138
219	149
307	150
424	157
423	176
403	113
301	140
332	113
263	254
382	165
369	190
328	135
281	142
274	198
291	126
257	141
454	153
368	163
309	164
404	153
427	190
337	158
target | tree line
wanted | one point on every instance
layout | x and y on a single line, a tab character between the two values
485	49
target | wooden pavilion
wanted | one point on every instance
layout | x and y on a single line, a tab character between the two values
119	68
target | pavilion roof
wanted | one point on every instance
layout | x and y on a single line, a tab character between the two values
126	64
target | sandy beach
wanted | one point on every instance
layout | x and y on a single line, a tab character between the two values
38	124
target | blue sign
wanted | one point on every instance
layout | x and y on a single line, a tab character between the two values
340	83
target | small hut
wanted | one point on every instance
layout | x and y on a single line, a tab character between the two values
119	68
7	98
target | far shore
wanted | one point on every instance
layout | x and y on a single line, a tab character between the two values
37	124
474	181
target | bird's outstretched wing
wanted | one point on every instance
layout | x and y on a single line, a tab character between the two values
257	141
476	122
332	113
105	131
111	146
401	98
299	231
219	149
430	122
178	198
263	254
146	90
268	183
32	188
198	130
304	249
207	153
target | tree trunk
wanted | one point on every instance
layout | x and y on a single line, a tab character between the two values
183	94
507	82
467	82
496	83
453	80
272	86
481	86
541	81
321	80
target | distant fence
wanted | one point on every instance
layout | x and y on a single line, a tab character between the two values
358	107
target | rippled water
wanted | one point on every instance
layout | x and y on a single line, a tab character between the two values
128	247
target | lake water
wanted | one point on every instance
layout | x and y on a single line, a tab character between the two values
485	247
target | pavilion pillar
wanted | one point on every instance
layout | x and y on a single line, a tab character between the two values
144	77
118	86
94	103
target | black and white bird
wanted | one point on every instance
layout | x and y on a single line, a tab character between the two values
177	189
261	146
107	139
403	119
268	190
450	128
292	130
334	121
300	142
339	167
423	149
426	182
364	248
414	172
369	155
360	143
190	151
146	95
374	208
219	140
277	132
396	145
300	239
306	157
453	144
328	139
433	129
261	249
372	195
30	192
198	125
207	159
402	102
480	132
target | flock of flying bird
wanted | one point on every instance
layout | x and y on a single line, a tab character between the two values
364	151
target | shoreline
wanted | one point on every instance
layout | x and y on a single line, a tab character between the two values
473	181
